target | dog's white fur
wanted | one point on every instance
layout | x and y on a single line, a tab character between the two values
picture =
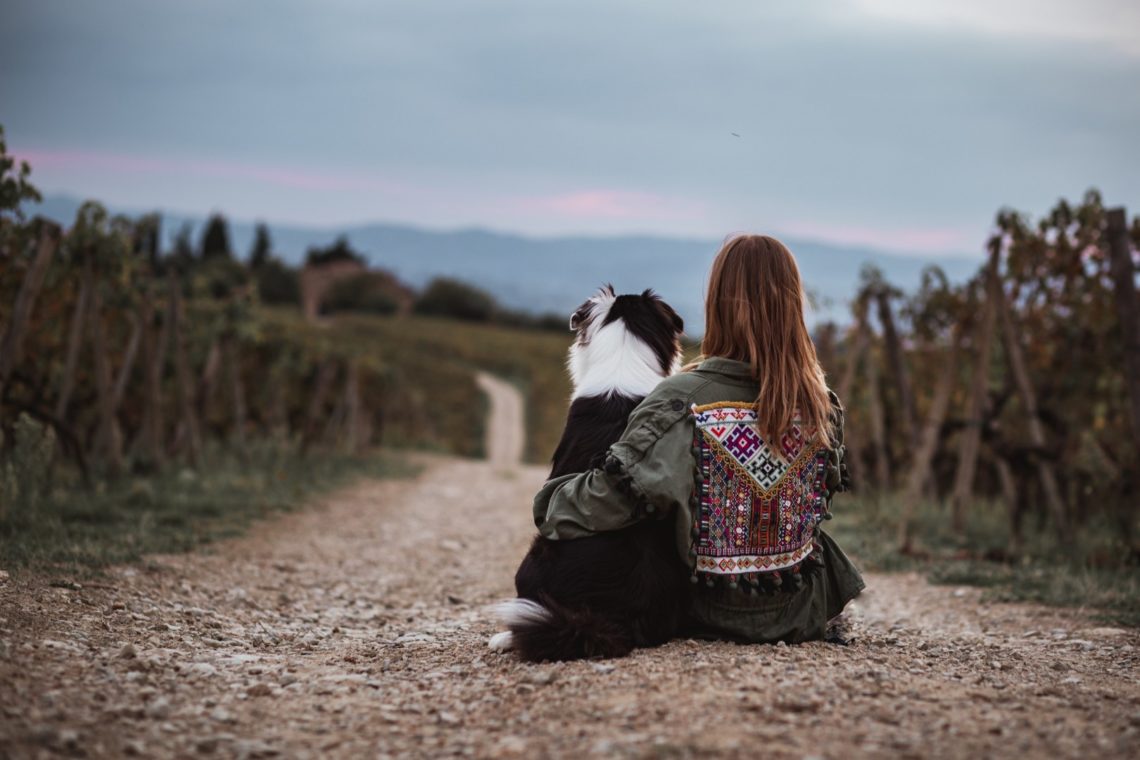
609	359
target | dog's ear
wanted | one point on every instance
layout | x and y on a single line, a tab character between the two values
578	318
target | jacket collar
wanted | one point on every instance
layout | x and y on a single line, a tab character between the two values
730	367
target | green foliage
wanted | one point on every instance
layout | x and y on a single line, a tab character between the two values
277	283
25	468
446	297
262	250
367	292
216	239
427	395
15	188
340	250
219	277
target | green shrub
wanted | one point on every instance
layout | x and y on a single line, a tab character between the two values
25	468
277	283
445	297
366	292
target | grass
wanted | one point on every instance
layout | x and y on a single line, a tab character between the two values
1092	573
430	399
74	531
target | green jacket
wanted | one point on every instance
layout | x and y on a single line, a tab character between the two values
659	469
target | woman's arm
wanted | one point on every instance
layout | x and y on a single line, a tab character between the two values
647	472
838	479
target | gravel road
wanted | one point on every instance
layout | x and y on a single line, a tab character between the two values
358	628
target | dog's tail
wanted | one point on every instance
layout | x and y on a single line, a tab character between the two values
549	631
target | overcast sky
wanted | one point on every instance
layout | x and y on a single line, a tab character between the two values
891	123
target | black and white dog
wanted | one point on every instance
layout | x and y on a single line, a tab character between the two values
603	595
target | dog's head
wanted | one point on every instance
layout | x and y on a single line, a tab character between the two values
625	344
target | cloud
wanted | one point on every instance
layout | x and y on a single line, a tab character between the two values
95	161
912	240
615	204
1110	22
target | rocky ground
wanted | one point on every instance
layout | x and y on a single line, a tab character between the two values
359	628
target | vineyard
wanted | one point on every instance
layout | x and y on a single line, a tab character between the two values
996	422
993	422
144	388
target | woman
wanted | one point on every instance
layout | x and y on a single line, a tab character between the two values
742	451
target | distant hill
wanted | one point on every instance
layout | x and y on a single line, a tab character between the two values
557	274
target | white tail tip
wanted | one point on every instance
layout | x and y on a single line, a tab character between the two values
521	612
502	642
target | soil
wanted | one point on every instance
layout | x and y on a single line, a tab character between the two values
359	627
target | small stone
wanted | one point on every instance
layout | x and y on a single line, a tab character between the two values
450	545
4	576
222	715
259	690
158	709
128	652
542	677
602	667
448	719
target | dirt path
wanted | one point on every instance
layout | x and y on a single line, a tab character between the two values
506	432
357	629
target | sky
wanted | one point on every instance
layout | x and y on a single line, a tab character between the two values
887	123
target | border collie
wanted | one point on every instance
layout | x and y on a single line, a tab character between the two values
603	595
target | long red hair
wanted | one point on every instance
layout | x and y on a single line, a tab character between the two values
754	313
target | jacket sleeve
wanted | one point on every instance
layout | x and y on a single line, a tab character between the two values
838	480
648	472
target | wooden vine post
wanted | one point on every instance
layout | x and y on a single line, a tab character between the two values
897	363
237	392
74	345
107	442
970	441
854	440
12	345
928	442
148	444
878	427
1016	360
1127	309
182	370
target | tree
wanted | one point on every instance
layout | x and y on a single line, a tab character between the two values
262	250
340	250
15	188
445	297
216	239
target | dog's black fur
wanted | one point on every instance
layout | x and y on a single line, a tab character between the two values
603	595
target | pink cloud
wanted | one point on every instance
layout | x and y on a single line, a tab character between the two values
613	204
210	168
900	239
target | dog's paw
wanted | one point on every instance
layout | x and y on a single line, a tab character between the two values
502	642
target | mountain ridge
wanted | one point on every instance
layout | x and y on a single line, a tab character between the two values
542	274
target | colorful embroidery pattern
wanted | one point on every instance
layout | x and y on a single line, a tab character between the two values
760	502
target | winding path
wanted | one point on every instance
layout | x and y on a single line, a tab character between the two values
358	628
